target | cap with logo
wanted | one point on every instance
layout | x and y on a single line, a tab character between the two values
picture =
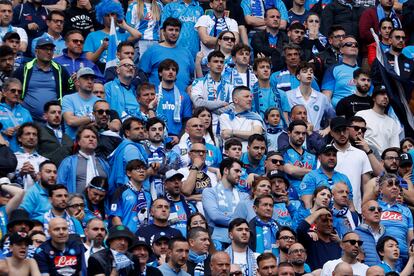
44	41
85	71
406	160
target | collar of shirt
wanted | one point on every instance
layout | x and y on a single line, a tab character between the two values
298	94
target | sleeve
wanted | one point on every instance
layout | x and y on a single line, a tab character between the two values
28	202
23	35
233	25
245	4
340	107
94	267
329	111
42	260
225	122
308	185
145	61
395	141
89	45
326	270
240	211
328	82
211	208
285	101
282	9
202	22
116	204
365	23
64	172
302	233
131	153
366	165
187	107
67	105
199	98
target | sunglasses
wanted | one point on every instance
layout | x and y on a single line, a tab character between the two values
287	238
373	208
14	91
77	206
276	161
350	44
236	273
339	36
358	128
102	111
226	38
198	151
76	41
392	182
399	37
354	242
313	21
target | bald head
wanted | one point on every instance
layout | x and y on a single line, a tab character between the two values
343	269
375	271
220	264
58	230
195	129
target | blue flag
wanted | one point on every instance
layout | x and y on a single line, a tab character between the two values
113	43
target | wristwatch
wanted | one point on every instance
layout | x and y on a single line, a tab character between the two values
194	168
369	152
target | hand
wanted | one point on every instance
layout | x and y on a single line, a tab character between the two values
27	168
161	259
79	215
226	133
260	55
153	168
199	56
105	43
174	140
3	141
283	197
361	143
335	237
313	235
120	23
324	132
10	131
309	129
198	162
32	26
323	211
153	104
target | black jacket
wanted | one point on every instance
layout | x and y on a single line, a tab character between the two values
50	147
338	14
101	263
260	44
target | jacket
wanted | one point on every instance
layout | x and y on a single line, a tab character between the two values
369	245
338	14
50	147
260	44
191	266
103	259
63	81
67	171
73	65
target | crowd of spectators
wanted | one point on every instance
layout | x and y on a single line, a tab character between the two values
210	137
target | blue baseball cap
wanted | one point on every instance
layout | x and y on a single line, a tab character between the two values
44	41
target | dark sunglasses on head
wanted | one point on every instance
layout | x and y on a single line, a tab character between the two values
275	162
226	38
354	242
350	44
102	111
358	128
373	208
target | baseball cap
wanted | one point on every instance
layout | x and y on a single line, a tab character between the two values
406	160
140	241
11	35
338	122
327	148
85	71
378	90
171	173
160	236
44	41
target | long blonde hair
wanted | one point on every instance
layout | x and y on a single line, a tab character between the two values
155	10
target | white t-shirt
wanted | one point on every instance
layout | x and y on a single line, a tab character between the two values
358	268
238	123
353	163
240	258
382	131
214	29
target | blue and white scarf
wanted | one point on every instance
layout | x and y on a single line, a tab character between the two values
393	16
177	102
199	261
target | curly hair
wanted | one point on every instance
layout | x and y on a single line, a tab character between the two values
107	7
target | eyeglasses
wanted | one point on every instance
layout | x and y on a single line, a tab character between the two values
140	169
227	38
358	128
339	36
19	91
57	21
350	44
200	152
236	273
128	66
313	21
102	111
399	37
396	158
373	208
296	251
77	206
354	242
276	161
76	41
287	238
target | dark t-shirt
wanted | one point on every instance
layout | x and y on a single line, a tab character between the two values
55	262
350	105
148	232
